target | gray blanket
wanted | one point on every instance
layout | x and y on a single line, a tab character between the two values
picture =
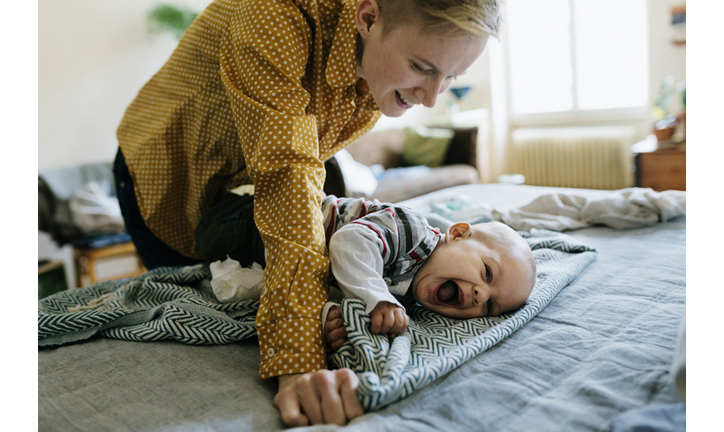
603	346
179	304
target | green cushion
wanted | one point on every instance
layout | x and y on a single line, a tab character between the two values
423	146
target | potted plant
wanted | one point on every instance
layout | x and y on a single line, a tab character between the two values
171	18
664	121
682	117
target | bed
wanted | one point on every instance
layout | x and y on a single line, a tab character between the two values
603	348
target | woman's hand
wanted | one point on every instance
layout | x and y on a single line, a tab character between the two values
321	397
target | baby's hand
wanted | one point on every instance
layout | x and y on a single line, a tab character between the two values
335	333
388	318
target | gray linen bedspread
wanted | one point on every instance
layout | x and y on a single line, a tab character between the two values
604	345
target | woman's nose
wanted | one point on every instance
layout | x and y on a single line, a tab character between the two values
428	93
427	97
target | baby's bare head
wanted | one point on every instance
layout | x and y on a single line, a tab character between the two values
476	270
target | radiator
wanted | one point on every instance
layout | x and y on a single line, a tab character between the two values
593	158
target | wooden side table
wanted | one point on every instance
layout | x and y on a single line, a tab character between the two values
87	259
660	165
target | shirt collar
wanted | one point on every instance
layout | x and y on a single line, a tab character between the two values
364	98
341	70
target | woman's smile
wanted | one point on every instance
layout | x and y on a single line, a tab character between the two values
401	101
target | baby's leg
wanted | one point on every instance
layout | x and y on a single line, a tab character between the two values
335	333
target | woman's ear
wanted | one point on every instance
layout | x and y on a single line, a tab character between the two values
368	14
460	230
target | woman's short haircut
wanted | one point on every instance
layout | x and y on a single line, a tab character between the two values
477	17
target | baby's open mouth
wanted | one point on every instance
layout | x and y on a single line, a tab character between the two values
449	294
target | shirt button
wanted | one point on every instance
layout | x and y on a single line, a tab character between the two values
270	352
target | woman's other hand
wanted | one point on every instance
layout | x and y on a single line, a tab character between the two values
321	397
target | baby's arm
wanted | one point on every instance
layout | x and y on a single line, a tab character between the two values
388	318
355	254
335	333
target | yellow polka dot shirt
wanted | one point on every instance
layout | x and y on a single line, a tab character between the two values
260	91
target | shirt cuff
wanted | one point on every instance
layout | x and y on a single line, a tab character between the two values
291	347
288	322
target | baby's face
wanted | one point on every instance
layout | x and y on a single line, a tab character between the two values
476	271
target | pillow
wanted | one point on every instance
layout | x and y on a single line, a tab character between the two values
423	146
359	180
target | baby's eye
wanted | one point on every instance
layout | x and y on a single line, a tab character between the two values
488	274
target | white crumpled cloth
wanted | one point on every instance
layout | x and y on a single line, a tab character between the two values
232	283
625	208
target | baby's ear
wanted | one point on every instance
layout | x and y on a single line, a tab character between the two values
460	230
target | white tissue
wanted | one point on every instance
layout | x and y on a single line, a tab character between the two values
232	283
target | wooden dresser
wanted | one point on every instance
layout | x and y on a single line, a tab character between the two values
660	165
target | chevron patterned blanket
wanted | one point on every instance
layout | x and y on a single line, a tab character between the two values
179	304
165	303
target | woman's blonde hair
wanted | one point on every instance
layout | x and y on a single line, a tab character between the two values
477	17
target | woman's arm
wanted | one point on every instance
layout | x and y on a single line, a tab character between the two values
262	66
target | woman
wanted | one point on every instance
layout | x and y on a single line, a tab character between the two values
262	92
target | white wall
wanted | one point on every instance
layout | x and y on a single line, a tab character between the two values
93	58
665	58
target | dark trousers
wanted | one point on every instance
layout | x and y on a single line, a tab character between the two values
152	250
226	230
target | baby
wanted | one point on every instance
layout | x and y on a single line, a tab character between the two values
380	252
472	271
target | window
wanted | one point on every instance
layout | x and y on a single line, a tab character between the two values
574	56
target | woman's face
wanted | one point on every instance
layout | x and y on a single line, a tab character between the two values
407	67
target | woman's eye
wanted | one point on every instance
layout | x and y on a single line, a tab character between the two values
419	69
488	274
